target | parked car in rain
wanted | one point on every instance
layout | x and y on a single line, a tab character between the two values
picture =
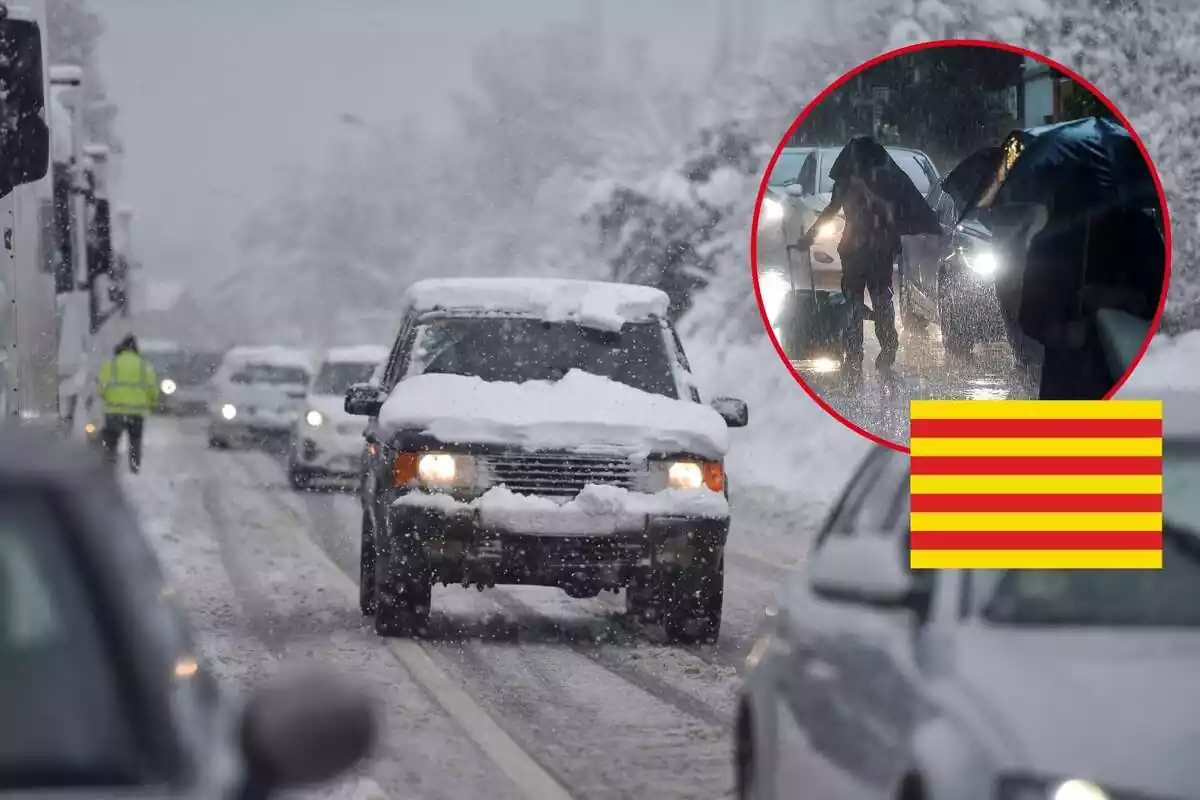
871	680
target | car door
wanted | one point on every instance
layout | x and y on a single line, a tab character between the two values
376	459
856	696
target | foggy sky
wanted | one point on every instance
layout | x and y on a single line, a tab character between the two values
217	97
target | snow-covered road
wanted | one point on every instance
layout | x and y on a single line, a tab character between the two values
517	692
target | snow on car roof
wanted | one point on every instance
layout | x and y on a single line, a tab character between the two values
271	354
356	354
596	304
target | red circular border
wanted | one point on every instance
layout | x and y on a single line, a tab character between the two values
912	48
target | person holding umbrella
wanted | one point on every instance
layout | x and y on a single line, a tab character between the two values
880	204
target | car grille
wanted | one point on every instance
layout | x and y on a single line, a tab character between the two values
561	474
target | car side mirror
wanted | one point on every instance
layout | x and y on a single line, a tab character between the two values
364	400
795	190
735	412
865	570
304	730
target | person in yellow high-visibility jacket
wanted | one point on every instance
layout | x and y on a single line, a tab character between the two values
128	390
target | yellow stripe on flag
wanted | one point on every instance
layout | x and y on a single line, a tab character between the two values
1099	448
1035	521
1036	484
1036	409
1035	559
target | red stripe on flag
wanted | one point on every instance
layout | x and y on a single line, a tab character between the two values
1036	540
1080	503
1034	428
1036	465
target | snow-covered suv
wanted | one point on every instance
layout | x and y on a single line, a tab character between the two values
546	432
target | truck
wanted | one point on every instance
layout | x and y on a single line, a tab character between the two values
28	334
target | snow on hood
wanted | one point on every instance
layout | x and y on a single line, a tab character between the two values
579	410
596	510
280	356
1115	707
597	304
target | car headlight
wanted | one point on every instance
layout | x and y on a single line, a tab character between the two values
228	411
167	386
443	471
771	211
1027	788
774	289
981	259
831	229
686	474
314	418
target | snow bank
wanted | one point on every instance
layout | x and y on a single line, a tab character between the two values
357	354
580	409
1169	364
597	510
597	304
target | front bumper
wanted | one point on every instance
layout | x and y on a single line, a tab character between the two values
464	547
250	430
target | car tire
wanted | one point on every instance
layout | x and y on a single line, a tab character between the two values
639	603
366	569
403	590
693	601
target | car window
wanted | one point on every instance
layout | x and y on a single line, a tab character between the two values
787	168
397	363
808	173
62	722
841	518
915	168
883	508
270	374
335	377
520	349
822	166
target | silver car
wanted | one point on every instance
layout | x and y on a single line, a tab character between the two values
872	681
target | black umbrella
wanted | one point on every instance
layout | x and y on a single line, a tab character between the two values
1081	167
869	160
966	181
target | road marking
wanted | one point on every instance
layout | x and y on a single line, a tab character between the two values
526	774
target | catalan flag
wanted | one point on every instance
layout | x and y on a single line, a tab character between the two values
1036	484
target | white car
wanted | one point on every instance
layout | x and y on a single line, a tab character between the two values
871	681
326	441
258	396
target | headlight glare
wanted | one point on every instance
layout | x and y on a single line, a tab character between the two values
774	289
228	411
1029	788
167	386
686	474
770	212
314	418
831	229
983	261
437	468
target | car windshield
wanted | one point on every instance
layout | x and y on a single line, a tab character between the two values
186	369
787	168
274	374
336	377
516	349
62	724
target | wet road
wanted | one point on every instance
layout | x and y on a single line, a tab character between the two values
517	692
923	371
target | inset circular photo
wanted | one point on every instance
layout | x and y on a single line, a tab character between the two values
959	220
